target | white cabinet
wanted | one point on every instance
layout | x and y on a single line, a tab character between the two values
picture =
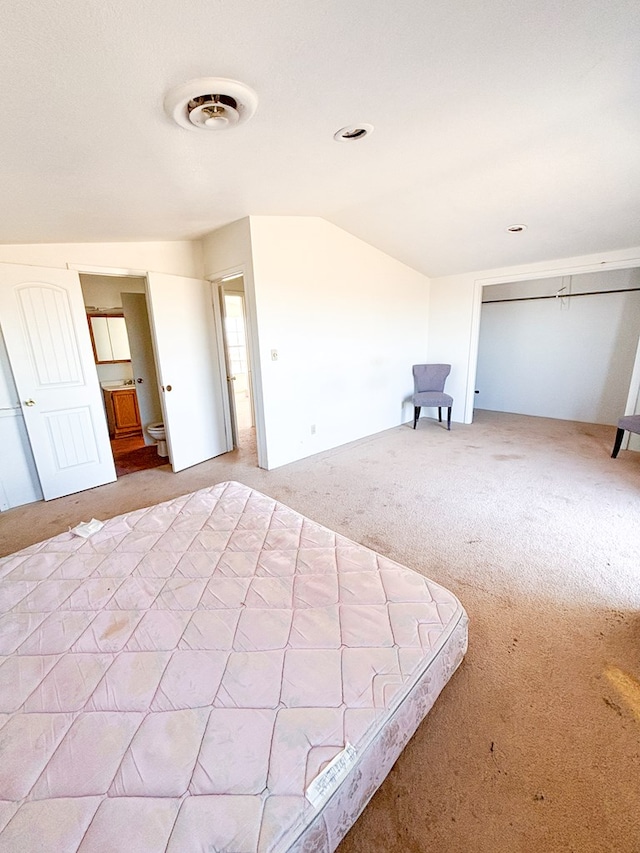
109	336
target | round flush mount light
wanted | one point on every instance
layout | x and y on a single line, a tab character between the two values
211	103
516	229
353	132
213	112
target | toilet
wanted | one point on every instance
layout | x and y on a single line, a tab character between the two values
157	433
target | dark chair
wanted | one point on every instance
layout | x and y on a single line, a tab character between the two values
428	386
631	423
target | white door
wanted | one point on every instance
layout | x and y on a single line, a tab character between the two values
47	338
134	308
187	357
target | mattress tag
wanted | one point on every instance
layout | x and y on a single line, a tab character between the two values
87	528
326	782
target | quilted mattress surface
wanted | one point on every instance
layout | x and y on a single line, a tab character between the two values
213	673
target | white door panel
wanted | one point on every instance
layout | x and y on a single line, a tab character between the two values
47	338
187	358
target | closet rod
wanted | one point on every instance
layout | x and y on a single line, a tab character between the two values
561	295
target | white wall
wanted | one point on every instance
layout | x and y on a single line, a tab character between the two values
102	292
347	322
569	358
180	257
228	250
454	313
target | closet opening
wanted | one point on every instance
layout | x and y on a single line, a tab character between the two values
561	347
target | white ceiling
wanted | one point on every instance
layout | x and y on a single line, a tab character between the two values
485	114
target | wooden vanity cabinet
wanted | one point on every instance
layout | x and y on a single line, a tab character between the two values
123	414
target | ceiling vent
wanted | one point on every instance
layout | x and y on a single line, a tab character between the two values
211	103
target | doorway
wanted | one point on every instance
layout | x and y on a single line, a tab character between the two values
120	331
237	361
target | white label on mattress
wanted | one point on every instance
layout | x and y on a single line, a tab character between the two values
326	782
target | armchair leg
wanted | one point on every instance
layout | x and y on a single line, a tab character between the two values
416	415
439	414
448	417
617	443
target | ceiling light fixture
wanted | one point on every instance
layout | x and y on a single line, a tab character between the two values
213	112
211	103
353	132
516	229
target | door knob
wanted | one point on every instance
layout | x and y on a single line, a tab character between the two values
168	387
29	402
139	379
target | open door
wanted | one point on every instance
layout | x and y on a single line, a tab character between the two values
136	315
47	338
187	357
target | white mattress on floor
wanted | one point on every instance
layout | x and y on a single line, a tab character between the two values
214	673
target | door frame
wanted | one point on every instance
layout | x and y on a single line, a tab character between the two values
124	272
229	423
229	402
127	272
222	292
253	348
116	272
253	351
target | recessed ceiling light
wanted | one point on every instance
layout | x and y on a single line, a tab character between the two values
353	132
516	229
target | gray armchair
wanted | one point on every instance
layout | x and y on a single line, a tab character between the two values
428	386
630	423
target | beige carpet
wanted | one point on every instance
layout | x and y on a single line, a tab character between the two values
535	743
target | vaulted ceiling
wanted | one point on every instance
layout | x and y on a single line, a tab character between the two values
485	114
